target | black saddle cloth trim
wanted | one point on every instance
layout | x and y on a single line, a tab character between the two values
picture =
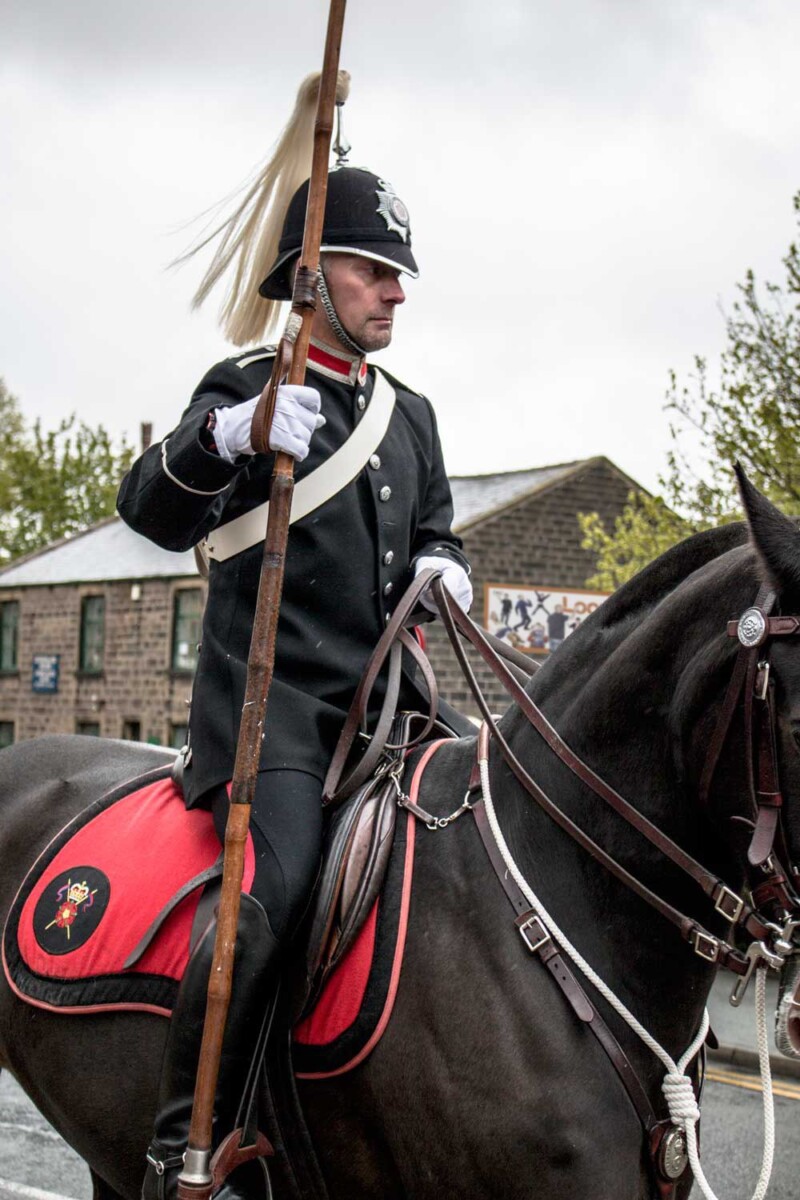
314	1059
118	990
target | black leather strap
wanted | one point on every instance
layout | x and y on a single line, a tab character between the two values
537	938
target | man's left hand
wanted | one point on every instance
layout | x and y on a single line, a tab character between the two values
454	578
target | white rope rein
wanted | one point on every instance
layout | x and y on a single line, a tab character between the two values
677	1086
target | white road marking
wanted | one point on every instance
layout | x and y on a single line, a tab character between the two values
29	1193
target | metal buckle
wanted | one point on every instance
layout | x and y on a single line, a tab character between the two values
525	928
725	898
762	681
705	946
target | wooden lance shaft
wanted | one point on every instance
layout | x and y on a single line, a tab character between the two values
195	1181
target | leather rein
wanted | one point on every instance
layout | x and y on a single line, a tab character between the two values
768	940
769	926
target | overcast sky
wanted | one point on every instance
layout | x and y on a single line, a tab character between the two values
587	181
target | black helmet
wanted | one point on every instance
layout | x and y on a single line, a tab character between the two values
363	215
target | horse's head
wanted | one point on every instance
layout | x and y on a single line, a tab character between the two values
776	541
691	713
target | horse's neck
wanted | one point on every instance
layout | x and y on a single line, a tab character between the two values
627	692
637	953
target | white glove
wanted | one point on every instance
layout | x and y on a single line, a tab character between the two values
296	417
454	578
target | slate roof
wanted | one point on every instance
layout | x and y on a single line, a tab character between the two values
107	551
477	497
111	551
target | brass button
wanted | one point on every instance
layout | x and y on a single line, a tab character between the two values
385	493
389	588
375	461
388	558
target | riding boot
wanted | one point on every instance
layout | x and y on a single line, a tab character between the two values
254	979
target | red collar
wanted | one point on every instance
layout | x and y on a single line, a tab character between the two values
345	368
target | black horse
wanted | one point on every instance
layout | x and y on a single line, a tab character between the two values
484	1083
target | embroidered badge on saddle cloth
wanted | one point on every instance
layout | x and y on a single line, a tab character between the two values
93	895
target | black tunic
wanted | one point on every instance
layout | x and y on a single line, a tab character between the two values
347	562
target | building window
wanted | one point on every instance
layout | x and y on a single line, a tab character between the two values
178	736
132	731
9	635
93	633
90	728
6	734
187	618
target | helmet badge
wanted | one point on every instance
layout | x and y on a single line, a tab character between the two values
393	210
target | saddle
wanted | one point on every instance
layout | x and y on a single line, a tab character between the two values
357	851
361	833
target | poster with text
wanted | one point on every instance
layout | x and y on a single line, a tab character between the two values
536	619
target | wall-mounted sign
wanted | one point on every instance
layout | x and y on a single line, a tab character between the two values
44	673
536	619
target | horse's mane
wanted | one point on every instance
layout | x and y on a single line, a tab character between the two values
660	578
601	634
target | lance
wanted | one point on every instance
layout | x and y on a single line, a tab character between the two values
196	1179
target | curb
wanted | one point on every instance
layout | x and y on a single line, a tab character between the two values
740	1056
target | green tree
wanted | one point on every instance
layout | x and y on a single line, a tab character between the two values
752	415
53	483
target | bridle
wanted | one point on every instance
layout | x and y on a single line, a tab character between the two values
773	877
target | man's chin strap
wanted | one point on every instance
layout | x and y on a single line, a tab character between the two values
333	318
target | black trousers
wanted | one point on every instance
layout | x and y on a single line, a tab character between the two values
286	826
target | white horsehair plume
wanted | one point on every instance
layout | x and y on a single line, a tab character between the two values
249	237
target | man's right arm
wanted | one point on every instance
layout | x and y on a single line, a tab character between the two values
174	494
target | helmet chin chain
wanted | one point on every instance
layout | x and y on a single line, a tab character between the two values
333	318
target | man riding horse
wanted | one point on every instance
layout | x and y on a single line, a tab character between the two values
379	513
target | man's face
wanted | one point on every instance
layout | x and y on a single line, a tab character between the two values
365	294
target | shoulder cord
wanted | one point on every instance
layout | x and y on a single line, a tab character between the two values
677	1086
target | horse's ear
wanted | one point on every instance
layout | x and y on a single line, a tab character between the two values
775	537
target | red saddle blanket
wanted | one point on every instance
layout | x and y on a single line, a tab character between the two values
93	899
87	905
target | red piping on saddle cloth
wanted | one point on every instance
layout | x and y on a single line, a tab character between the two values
342	1005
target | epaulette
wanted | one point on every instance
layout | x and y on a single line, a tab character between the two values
398	383
251	356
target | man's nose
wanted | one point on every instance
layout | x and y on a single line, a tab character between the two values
393	292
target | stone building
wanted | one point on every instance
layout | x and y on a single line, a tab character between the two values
99	632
